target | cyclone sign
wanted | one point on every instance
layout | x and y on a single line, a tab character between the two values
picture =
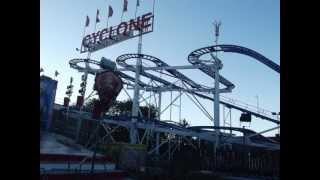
115	34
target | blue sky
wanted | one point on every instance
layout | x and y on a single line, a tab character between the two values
181	26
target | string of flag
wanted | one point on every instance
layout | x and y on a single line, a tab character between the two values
110	12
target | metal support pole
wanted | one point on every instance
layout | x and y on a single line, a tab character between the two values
157	143
180	108
271	129
169	148
217	64
216	102
80	119
86	72
78	127
258	110
159	106
223	116
171	105
135	104
230	121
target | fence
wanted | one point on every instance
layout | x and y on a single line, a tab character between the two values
260	163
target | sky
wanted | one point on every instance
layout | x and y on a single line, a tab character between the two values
180	27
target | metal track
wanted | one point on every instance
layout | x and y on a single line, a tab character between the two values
121	60
194	56
160	126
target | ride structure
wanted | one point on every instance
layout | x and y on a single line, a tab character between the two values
152	78
148	71
187	86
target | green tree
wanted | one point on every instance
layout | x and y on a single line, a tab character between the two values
122	108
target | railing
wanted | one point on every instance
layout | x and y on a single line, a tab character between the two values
249	107
258	163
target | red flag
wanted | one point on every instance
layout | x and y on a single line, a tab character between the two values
125	5
110	11
87	21
97	17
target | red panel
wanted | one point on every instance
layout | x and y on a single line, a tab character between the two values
73	158
66	102
80	100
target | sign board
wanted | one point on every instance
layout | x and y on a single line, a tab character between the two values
115	34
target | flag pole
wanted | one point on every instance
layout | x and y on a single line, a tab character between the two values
124	8
121	16
94	31
135	14
107	21
84	33
85	77
153	7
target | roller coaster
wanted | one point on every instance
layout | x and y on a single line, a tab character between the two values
157	85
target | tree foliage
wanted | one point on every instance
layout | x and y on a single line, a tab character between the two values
122	108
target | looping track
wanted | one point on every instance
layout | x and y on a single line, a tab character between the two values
121	60
193	58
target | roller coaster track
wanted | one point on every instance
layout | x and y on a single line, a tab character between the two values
159	63
169	127
193	58
205	68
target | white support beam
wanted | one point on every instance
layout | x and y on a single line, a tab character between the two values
162	128
161	68
262	132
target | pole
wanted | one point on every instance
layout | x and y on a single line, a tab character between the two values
135	104
84	32
171	105
159	106
153	7
107	21
278	118
257	103
216	103
230	121
180	108
121	17
85	87
157	142
217	65
223	116
135	13
169	147
87	64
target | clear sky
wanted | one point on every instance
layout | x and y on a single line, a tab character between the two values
180	27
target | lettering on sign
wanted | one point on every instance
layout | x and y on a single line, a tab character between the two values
112	35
